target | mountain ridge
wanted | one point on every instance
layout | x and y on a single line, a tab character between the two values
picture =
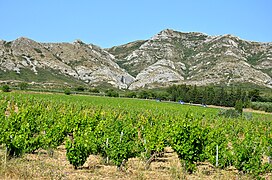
169	57
191	53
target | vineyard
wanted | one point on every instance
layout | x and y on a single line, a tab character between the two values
119	129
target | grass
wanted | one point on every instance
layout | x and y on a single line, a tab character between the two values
41	166
44	75
32	166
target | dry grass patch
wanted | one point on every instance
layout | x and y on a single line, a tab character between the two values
47	165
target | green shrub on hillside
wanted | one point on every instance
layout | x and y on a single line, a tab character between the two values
67	92
5	88
80	88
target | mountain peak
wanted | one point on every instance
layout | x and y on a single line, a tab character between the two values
78	41
165	34
22	38
170	33
230	36
24	41
167	31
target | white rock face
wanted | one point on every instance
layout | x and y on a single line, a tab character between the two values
158	74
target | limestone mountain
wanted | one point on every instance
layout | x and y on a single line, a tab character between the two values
78	63
169	57
172	57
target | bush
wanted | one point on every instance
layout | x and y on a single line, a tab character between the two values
5	88
262	106
112	93
131	95
94	90
23	86
229	113
79	88
67	92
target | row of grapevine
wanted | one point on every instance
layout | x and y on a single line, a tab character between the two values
118	133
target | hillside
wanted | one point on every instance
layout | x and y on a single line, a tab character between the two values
76	63
169	57
196	58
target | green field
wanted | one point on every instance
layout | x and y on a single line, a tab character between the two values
118	129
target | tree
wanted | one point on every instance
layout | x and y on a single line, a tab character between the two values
194	94
254	95
231	98
5	88
131	95
162	95
209	95
67	92
173	91
144	94
112	93
239	106
239	93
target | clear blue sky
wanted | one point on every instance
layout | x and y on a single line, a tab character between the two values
113	22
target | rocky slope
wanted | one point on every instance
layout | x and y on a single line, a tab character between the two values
69	62
172	57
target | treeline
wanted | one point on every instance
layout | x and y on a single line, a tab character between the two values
220	96
210	95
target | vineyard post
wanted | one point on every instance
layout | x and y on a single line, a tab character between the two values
6	152
269	158
122	164
107	145
5	166
145	145
216	156
122	133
